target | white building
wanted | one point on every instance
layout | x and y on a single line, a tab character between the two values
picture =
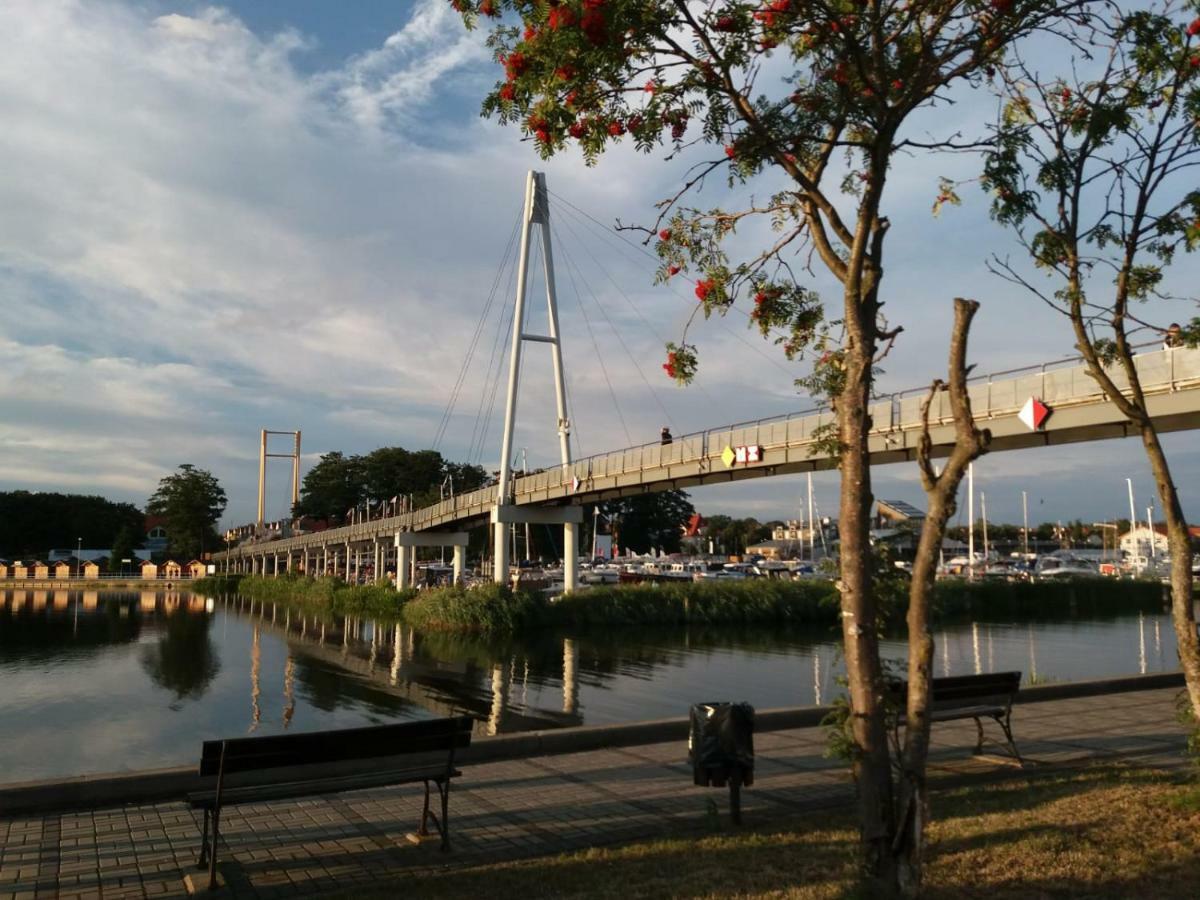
1138	542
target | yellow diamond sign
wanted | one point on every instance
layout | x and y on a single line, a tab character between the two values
728	456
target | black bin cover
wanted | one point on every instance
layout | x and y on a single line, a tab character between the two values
722	736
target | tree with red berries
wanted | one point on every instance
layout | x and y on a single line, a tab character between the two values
1094	169
812	96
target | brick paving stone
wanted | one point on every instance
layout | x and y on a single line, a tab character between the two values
521	808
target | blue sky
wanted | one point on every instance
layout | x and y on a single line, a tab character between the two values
288	213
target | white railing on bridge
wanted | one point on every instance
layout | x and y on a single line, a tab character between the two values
1059	384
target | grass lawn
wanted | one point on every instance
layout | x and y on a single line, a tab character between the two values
1103	832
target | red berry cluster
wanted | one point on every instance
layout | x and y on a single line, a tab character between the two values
669	365
560	17
516	64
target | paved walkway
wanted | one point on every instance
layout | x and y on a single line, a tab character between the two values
525	807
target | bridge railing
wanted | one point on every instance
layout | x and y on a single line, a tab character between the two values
997	394
1059	383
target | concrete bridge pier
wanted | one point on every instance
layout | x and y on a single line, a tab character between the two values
569	517
407	543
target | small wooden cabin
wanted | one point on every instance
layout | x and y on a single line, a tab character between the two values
149	569
63	569
4	570
41	570
172	569
19	570
92	569
197	569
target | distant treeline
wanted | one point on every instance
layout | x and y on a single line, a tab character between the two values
33	523
339	483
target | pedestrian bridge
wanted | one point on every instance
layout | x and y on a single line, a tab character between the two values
776	446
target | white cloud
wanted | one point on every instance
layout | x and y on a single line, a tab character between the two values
200	239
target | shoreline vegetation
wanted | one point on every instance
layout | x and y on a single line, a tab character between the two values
496	609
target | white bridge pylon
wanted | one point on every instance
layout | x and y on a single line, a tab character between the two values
506	512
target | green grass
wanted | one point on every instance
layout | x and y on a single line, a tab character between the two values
488	608
326	596
700	602
1105	832
496	610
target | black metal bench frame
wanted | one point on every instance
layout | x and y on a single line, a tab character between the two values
436	740
965	697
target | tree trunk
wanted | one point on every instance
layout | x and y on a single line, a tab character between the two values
1179	541
941	492
872	761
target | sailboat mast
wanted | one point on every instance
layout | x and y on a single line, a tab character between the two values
971	521
812	523
983	505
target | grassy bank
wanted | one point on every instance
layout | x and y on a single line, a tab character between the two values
1101	833
496	610
700	602
328	596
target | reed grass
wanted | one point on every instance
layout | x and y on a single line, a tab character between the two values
496	609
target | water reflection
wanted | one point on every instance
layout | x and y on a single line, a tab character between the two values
183	660
29	633
225	667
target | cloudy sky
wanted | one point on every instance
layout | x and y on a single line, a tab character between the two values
289	214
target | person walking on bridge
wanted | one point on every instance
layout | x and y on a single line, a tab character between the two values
665	435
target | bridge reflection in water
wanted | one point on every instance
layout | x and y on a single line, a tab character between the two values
387	659
73	701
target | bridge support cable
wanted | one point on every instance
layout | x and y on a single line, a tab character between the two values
617	333
474	342
571	267
536	220
650	329
601	228
493	374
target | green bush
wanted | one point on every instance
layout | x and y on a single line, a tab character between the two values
495	609
327	596
216	584
485	608
712	601
956	598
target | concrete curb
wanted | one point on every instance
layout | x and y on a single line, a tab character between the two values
157	785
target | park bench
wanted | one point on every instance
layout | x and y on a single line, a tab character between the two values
975	697
276	767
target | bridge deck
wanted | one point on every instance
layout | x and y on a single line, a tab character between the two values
789	444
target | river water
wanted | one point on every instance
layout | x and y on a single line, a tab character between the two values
95	682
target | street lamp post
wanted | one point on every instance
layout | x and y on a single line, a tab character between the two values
78	559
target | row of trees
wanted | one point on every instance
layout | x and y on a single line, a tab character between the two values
32	523
339	483
815	100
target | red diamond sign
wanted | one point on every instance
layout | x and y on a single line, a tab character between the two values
1034	414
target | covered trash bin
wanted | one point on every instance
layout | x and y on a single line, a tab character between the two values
721	748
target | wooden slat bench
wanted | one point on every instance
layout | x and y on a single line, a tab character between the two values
975	697
297	765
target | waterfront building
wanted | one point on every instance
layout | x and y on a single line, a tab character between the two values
1141	541
149	569
93	568
777	548
63	569
172	569
896	511
41	570
20	570
197	569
